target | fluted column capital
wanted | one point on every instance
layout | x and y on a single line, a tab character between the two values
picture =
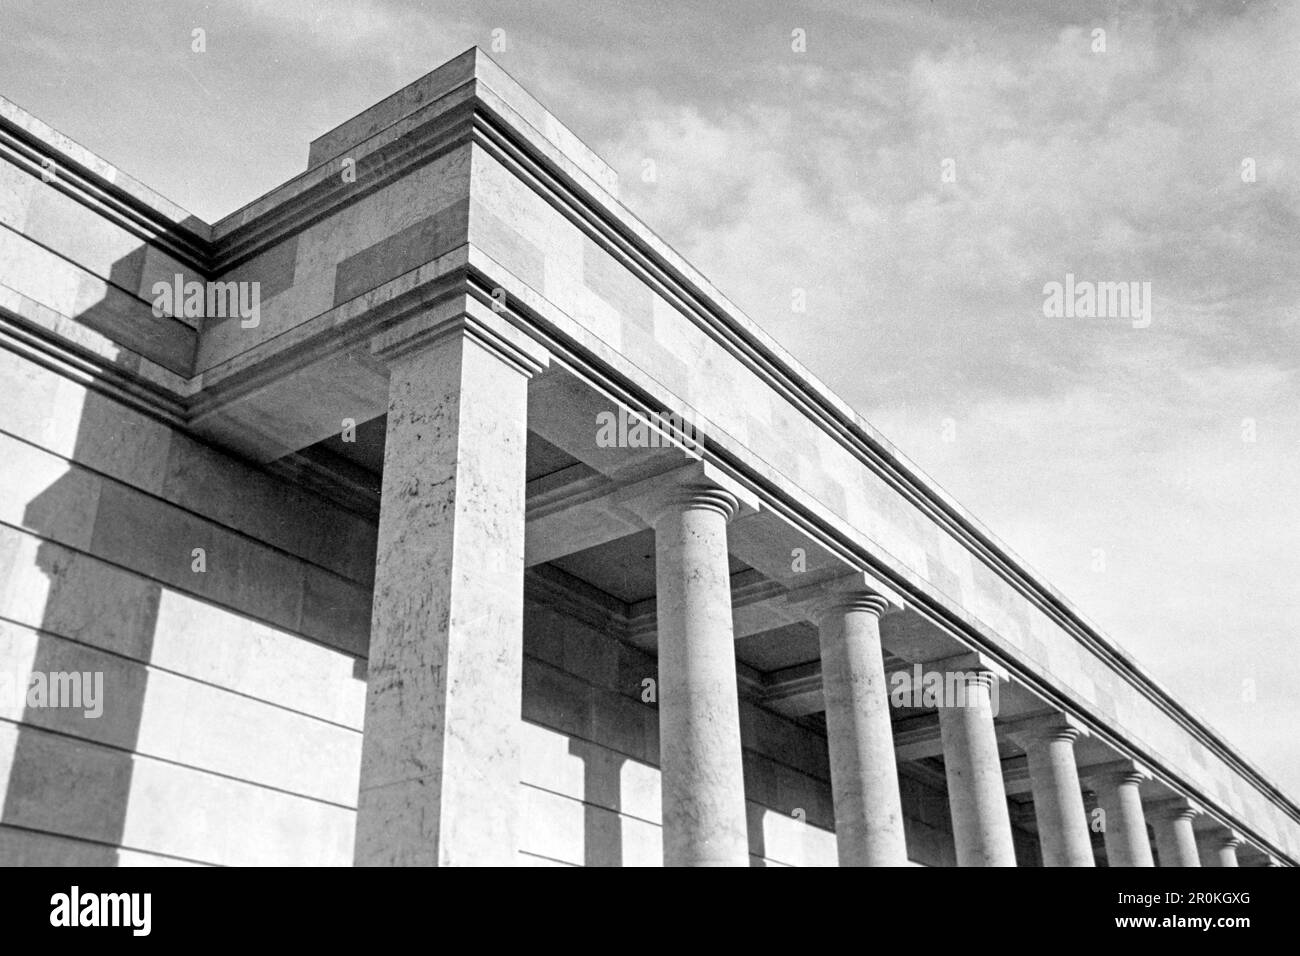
699	485
1029	732
1176	808
857	591
1116	772
1175	835
974	668
702	497
1218	845
1226	837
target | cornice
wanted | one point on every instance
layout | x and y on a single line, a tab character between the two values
184	240
321	192
90	369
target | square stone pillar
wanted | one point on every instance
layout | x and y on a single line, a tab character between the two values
440	758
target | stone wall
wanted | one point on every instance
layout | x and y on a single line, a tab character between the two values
233	696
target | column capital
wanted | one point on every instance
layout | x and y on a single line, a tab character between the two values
1123	770
1175	808
699	484
856	590
985	667
1044	728
465	316
1226	836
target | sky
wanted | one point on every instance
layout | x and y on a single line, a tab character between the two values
918	172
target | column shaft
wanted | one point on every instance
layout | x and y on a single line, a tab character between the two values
704	822
1175	839
1124	823
981	822
440	763
1058	800
864	776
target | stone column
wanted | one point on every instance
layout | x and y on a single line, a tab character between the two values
1175	838
704	818
860	738
1058	797
1220	847
1124	825
981	822
439	760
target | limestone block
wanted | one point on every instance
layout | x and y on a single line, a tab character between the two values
622	724
84	790
21	848
556	825
16	189
203	479
590	655
158	539
231	651
544	635
46	495
558	700
402	251
335	611
44	585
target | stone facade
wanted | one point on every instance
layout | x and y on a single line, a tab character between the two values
364	585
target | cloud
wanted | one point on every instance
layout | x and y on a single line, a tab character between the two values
925	303
1111	166
358	30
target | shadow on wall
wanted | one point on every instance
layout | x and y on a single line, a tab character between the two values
602	830
71	773
69	779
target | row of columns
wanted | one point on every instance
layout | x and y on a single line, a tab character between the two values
440	759
704	807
